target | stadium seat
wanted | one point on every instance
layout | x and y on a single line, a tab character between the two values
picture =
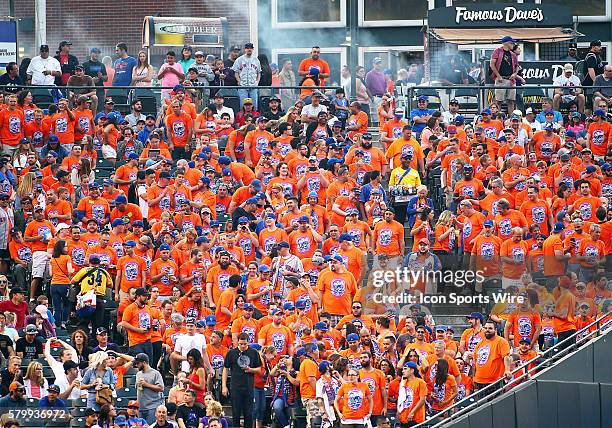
103	173
32	402
126	393
434	98
78	412
531	97
120	97
105	164
77	422
232	102
468	100
121	402
147	99
41	97
79	402
129	381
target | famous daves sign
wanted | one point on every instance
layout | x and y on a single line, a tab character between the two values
509	15
499	15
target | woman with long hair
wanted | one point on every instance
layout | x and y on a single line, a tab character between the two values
444	388
25	190
354	402
292	118
266	73
143	72
284	390
422	227
79	342
25	104
19	159
88	151
445	238
61	271
360	88
412	396
97	376
196	379
327	387
82	170
35	383
284	179
107	415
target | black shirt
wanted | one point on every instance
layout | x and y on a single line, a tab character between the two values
190	415
7	379
505	69
594	61
241	212
6	80
274	116
31	351
240	379
92	68
5	342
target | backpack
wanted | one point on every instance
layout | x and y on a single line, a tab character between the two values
580	67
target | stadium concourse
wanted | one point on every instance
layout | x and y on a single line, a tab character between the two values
244	255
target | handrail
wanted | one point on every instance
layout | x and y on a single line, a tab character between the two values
165	87
494	388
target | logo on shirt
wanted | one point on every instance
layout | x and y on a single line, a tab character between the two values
384	238
278	341
14	125
539	214
483	355
355	399
303	244
178	127
338	287
131	271
524	327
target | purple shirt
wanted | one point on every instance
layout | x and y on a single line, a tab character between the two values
375	83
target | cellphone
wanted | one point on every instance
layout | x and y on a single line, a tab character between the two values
153	153
312	168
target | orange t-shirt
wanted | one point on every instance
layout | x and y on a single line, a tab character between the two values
178	127
416	389
552	266
226	300
35	228
376	382
126	172
84	121
360	119
566	300
248	326
387	237
537	213
259	142
489	358
442	393
219	278
505	223
302	244
511	174
169	268
517	251
599	134
524	324
63	127
590	248
354	400
319	63
544	145
12	125
308	369
279	337
587	206
138	317
472	226
337	291
132	270
59	267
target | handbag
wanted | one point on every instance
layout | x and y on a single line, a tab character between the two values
104	396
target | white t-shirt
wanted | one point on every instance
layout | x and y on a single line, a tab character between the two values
185	343
38	65
562	80
310	110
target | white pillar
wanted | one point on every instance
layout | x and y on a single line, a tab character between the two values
40	37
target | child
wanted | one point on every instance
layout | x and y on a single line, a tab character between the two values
341	109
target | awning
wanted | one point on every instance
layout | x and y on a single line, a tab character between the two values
468	36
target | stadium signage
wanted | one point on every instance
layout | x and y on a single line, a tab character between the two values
8	42
541	72
482	15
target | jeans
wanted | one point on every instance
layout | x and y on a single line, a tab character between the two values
148	415
96	320
259	407
281	412
248	93
146	348
61	305
242	405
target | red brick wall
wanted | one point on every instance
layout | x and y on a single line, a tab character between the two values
88	23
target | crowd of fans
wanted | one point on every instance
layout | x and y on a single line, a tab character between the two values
231	254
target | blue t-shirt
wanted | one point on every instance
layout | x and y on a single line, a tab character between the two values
136	422
418	127
123	71
59	403
342	102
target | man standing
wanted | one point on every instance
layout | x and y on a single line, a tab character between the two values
150	387
137	320
377	382
375	82
593	63
308	376
504	65
43	69
97	71
124	65
337	287
491	357
38	233
248	73
315	61
388	238
243	362
67	62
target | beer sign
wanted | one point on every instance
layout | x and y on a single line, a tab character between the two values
175	31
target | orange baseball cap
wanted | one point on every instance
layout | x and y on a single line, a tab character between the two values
15	386
491	168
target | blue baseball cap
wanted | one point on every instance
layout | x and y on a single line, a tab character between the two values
120	199
226	172
423	98
441	328
117	222
243	220
251	201
130	243
120	420
288	306
210	320
345	237
476	315
53	138
225	160
548	126
337	258
488	223
323	365
507	39
300	352
255	346
178	88
164	247
202	239
301	304
353	337
138	223
303	219
410	365
283	244
459	119
320	326
247	305
485	111
525	340
559	226
264	268
256	184
204	179
599	112
132	156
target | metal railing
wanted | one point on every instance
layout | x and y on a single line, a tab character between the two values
501	386
482	94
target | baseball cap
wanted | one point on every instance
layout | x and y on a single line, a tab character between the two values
256	184
247	101
133	403
422	98
130	243
249	45
398	112
210	320
599	112
507	39
590	169
459	119
345	237
559	226
568	67
377	60
120	199
606	166
476	315
288	306
301	304
488	223
525	340
42	311
424	240
141	292
15	386
573	46
120	421
283	244
320	326
101	330
452	129
485	111
31	329
53	387
410	365
303	219
353	337
441	328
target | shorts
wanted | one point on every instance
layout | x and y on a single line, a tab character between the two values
40	263
504	94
